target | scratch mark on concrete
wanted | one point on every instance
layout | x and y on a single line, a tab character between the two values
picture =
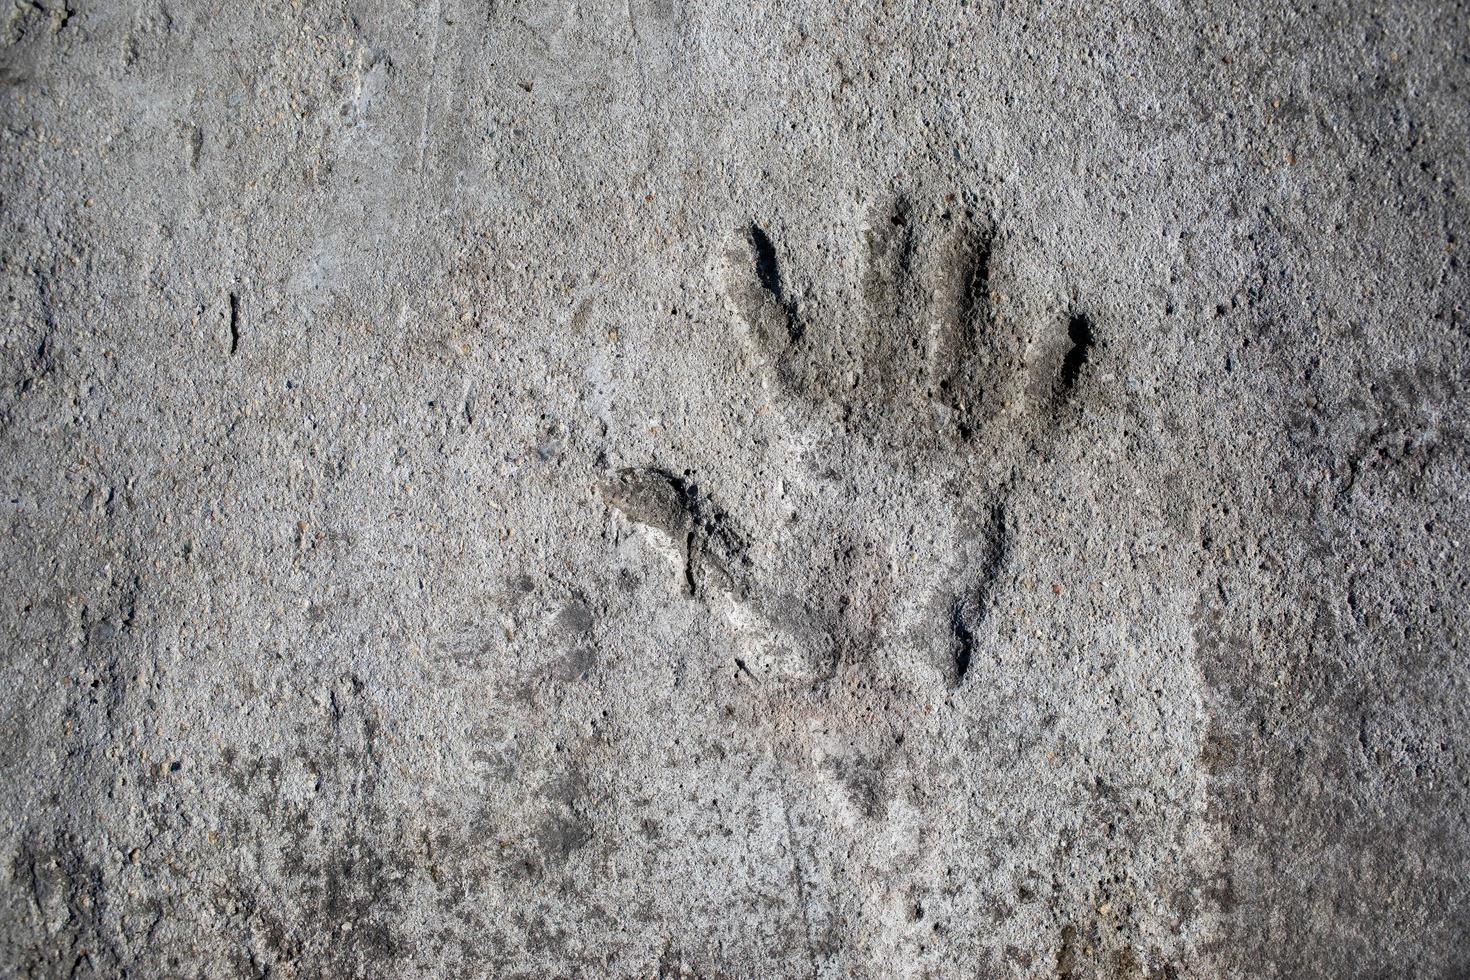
798	878
429	85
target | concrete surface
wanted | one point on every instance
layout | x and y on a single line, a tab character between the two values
629	488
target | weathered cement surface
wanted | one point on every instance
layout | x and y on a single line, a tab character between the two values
615	488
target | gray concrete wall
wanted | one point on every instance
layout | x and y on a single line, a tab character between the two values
629	488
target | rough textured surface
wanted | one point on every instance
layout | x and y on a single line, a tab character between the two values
620	488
